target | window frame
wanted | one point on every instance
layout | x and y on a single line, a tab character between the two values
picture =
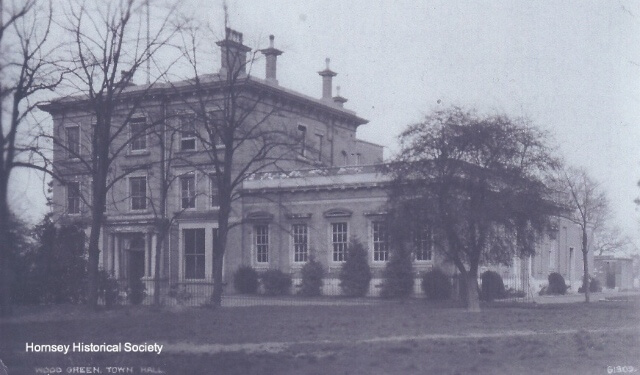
303	145
261	247
379	245
72	153
132	198
78	205
214	200
418	240
297	247
184	133
138	135
196	254
181	198
342	253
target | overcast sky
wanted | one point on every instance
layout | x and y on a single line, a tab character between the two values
573	67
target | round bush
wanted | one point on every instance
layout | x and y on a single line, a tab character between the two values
355	273
556	284
245	280
492	286
436	285
276	282
312	275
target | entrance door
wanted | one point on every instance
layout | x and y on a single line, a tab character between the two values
136	259
611	275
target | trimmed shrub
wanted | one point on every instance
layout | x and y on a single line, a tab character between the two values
492	286
398	275
108	288
136	292
245	280
355	274
312	274
436	285
556	284
276	282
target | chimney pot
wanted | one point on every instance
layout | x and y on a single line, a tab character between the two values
339	100
327	76
271	55
233	53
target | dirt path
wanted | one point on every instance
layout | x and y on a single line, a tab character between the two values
277	347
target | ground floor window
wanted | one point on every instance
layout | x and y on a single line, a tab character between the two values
380	241
339	241
300	242
423	244
261	243
194	254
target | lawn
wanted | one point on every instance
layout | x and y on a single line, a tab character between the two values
371	338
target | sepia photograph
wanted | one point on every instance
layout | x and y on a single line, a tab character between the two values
319	187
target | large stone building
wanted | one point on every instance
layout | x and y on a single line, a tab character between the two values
299	207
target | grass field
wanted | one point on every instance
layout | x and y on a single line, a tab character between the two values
413	337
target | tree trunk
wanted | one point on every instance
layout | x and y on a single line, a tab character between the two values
585	280
94	260
5	257
473	298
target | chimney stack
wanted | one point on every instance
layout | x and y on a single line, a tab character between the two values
271	54
233	53
327	75
339	100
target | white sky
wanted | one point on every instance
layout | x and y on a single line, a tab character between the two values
573	67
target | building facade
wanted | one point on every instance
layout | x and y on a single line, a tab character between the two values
310	203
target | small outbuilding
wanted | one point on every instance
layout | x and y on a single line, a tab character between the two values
614	272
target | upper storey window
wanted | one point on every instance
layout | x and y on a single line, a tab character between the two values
73	141
187	133
138	134
302	130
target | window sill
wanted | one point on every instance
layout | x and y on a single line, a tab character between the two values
138	153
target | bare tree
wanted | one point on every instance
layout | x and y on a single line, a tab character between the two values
26	70
610	240
242	131
590	209
107	50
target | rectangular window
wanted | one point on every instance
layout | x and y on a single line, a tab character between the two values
137	129
303	139
300	242
423	244
319	138
73	197
380	241
213	191
138	190
339	241
194	257
187	133
73	141
262	243
188	191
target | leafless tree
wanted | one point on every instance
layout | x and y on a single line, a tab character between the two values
107	49
590	209
26	70
610	240
241	130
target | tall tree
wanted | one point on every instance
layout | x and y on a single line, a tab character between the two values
589	210
107	50
26	70
477	183
241	129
